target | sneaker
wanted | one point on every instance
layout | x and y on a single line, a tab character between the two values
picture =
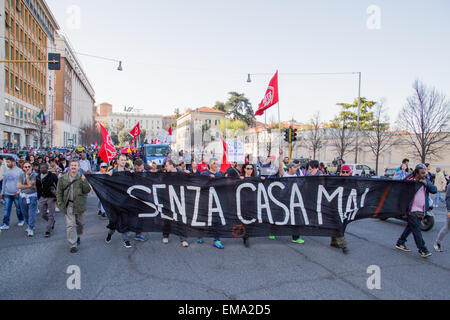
99	213
200	240
140	237
74	250
299	240
184	244
272	237
402	247
108	238
165	240
47	235
425	254
21	223
127	244
218	244
438	247
103	216
4	227
30	233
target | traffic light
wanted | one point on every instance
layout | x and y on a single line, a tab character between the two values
54	65
294	135
286	135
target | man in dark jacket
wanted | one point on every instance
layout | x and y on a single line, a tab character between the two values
416	211
46	183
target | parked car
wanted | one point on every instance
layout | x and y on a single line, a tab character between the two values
390	173
361	170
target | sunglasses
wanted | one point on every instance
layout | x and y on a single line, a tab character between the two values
345	171
248	168
26	167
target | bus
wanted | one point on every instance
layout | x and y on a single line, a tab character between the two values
155	153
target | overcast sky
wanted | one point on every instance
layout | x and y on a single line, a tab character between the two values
189	54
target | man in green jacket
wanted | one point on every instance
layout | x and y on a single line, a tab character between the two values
71	196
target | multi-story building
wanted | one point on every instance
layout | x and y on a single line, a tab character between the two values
75	98
103	109
190	136
151	123
28	33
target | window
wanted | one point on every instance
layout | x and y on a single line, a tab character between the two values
7	23
7	113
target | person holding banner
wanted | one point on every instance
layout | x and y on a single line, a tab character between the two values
139	167
121	162
341	242
248	172
213	172
291	173
169	167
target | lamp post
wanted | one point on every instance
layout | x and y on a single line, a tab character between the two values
358	120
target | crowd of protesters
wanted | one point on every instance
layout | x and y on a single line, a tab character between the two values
50	182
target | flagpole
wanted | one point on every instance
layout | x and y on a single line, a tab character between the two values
265	133
279	121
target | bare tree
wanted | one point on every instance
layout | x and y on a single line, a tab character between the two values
89	134
341	136
378	136
313	137
426	116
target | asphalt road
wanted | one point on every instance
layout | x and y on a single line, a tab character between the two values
36	268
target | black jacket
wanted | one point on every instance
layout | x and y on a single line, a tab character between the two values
47	187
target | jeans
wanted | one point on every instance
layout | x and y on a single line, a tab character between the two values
8	206
29	211
444	231
438	198
413	226
45	204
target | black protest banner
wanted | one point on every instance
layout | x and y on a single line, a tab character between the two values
193	206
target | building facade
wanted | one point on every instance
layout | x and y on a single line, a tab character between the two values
74	99
151	123
190	136
28	33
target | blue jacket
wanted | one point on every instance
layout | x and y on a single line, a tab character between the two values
430	188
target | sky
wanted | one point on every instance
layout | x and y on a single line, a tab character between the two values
190	54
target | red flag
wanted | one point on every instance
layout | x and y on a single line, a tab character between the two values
225	164
132	145
136	132
270	98
170	131
107	151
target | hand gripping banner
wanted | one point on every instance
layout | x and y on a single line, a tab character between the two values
194	206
